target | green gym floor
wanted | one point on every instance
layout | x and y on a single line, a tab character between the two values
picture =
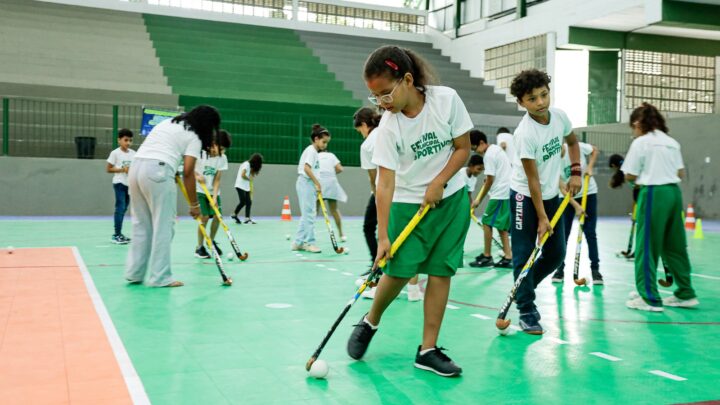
248	344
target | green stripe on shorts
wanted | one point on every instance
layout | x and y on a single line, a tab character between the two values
435	247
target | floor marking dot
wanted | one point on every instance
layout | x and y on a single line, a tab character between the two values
667	375
331	269
605	356
480	316
345	273
298	254
452	306
321	265
278	306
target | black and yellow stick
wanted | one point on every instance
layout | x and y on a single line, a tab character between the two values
218	215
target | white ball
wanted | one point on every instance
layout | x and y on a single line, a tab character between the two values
10	249
319	369
346	250
287	236
504	332
230	257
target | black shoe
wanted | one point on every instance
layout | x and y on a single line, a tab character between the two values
558	276
530	324
217	248
202	253
483	261
360	339
504	263
250	221
237	220
125	238
597	278
437	362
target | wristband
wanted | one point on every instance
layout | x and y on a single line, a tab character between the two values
575	172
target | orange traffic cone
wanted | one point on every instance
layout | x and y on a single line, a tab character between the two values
690	218
286	215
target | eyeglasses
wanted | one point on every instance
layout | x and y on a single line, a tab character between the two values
385	98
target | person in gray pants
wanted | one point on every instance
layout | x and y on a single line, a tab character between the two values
154	195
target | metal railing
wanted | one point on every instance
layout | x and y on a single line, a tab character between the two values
609	143
65	129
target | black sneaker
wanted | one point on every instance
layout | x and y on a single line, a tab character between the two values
125	238
558	276
360	339
530	324
217	248
118	240
597	278
202	253
437	362
237	220
504	263
483	261
250	221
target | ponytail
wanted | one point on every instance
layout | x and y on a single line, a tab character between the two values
648	118
396	62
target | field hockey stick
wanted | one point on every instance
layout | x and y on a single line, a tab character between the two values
338	250
218	261
578	247
371	279
628	252
494	239
501	323
218	215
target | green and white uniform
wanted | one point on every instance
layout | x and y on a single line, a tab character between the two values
655	159
497	211
417	150
208	167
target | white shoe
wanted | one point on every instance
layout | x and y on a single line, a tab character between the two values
674	301
369	293
414	294
295	247
640	304
311	248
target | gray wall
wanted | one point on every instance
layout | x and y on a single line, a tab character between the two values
50	186
46	186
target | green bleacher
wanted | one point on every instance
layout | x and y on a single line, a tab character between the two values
267	84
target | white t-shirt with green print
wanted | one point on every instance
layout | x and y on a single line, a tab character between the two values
419	148
209	167
120	159
543	144
585	150
310	157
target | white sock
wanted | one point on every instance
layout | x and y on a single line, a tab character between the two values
422	352
413	288
373	327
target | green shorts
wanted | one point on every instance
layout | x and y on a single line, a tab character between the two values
497	215
435	247
205	208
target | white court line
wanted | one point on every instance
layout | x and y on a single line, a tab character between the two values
605	356
480	316
667	375
132	380
345	273
448	306
704	276
320	265
556	340
102	246
331	269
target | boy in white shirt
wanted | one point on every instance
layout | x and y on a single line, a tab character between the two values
118	163
534	187
654	162
474	167
208	170
506	142
497	211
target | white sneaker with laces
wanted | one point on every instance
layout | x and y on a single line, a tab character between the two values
413	293
674	301
640	304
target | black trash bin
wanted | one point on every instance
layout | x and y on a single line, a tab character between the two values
85	146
